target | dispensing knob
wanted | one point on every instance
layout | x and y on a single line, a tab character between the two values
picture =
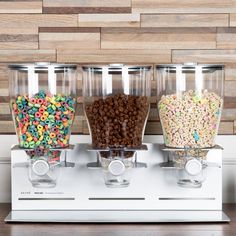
116	167
40	167
193	167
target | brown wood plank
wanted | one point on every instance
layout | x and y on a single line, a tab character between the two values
4	108
92	6
3	73
161	30
158	38
90	3
69	30
19	41
82	10
4	99
226	38
20	6
27	55
228	114
109	20
204	56
234	126
19	30
230	72
7	127
4	90
5	117
114	56
18	45
184	6
153	127
85	129
18	38
230	102
23	0
184	20
37	20
232	21
230	86
226	127
77	40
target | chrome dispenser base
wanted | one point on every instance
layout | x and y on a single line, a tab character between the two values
119	216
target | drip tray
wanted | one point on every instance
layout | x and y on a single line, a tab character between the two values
117	216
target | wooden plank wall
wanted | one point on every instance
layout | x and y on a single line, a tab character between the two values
128	31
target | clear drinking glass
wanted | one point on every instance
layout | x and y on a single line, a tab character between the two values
43	102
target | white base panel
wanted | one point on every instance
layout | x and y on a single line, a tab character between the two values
226	141
136	216
152	196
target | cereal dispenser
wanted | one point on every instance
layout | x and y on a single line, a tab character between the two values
190	102
42	101
138	170
116	103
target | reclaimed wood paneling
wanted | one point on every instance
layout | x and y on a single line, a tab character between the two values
91	6
114	56
184	6
226	127
153	127
86	3
232	21
3	72
230	72
109	20
228	114
37	20
187	20
20	7
204	56
234	127
226	38
27	55
230	87
18	41
19	30
5	108
73	39
119	31
7	127
158	38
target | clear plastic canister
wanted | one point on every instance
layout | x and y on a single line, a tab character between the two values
43	102
190	102
116	103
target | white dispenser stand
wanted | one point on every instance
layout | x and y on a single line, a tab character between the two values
81	195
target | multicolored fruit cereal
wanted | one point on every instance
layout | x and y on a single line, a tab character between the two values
190	121
43	120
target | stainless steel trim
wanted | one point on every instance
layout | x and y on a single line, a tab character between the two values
191	65
173	149
143	147
116	198
115	68
185	198
17	147
42	66
46	199
120	216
